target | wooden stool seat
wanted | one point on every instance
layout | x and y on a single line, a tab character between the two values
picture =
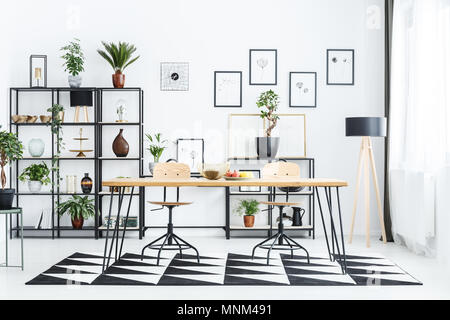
283	204
165	203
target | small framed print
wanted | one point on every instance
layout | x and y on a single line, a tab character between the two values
341	67
191	152
174	76
303	89
228	89
38	71
263	67
256	175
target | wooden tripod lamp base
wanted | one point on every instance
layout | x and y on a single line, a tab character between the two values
77	114
78	99
367	128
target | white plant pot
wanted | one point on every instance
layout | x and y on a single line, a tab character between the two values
74	81
34	186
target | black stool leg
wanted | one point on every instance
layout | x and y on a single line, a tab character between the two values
298	245
161	248
261	243
189	245
271	247
142	253
179	246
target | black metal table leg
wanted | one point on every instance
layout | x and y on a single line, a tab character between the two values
227	213
116	227
323	222
126	222
107	229
333	228
342	230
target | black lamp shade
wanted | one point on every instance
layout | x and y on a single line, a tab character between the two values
365	127
81	98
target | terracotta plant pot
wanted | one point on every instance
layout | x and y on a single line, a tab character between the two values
120	146
249	221
118	79
77	224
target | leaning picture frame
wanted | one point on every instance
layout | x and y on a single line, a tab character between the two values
191	151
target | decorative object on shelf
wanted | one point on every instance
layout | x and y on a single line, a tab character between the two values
248	208
131	222
120	146
252	174
31	119
15	118
86	184
73	62
36	147
213	171
11	149
36	175
191	152
285	218
119	57
79	209
80	99
228	89
111	222
267	147
71	184
45	119
156	148
174	76
302	89
367	127
341	67
263	67
121	110
297	216
38	71
81	151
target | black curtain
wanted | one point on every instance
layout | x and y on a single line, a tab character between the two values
389	8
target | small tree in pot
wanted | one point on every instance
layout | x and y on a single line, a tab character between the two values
73	62
156	148
248	208
267	147
11	149
36	175
79	209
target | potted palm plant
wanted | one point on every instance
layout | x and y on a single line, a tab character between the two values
11	149
79	209
248	208
119	56
156	148
36	175
267	147
73	62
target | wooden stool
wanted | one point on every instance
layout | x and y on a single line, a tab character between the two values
10	212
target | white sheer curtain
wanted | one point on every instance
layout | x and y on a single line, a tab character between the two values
420	126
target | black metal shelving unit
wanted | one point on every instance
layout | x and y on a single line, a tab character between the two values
56	230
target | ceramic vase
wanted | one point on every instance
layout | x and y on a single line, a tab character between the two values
118	79
86	184
120	146
249	221
267	147
34	186
77	223
74	81
36	147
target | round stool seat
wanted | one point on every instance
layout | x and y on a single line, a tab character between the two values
280	204
164	203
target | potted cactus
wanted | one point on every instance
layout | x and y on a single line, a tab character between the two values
11	149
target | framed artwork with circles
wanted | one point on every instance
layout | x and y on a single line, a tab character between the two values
174	76
341	67
302	89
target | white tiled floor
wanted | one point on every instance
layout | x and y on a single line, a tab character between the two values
40	254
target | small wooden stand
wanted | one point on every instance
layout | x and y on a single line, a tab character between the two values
81	150
77	114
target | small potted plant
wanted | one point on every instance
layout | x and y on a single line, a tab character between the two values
267	147
36	175
79	209
73	62
156	148
119	56
11	149
248	208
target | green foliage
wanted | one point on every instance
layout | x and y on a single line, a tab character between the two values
74	57
118	55
77	207
36	172
269	100
56	129
248	207
11	149
157	146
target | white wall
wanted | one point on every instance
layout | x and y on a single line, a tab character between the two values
213	35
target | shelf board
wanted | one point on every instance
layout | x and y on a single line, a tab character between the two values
107	193
119	123
120	228
267	227
261	159
266	194
117	158
56	194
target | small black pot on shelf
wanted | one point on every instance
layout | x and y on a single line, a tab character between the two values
86	184
6	198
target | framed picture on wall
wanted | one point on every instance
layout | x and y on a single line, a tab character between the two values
341	67
263	66
256	175
302	89
191	152
228	89
174	76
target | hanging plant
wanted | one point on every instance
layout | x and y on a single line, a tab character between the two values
56	129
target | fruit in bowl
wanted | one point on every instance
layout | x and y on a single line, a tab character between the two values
237	174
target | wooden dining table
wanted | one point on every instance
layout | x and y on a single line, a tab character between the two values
336	249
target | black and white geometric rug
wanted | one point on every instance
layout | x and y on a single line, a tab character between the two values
229	269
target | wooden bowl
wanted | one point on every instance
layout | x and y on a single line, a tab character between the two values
45	119
22	119
31	119
15	118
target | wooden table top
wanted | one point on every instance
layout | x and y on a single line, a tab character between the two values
202	182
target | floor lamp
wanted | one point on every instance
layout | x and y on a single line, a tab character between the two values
80	99
366	127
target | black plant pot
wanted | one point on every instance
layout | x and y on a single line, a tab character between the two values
267	147
6	198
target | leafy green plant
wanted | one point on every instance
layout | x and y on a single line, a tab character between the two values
11	149
56	129
74	57
248	207
157	146
118	55
77	207
269	100
36	172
